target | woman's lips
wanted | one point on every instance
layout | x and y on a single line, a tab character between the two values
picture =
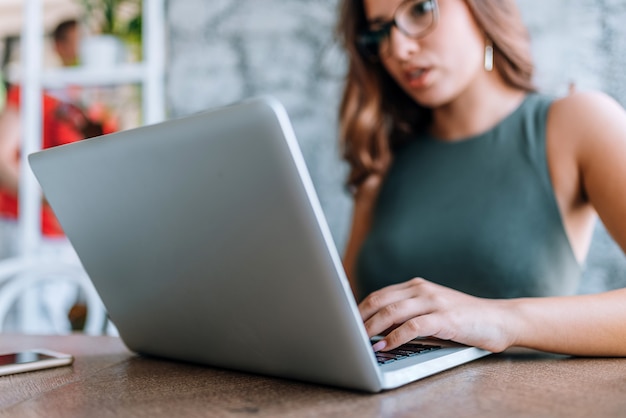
417	77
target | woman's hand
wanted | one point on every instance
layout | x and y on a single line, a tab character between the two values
419	308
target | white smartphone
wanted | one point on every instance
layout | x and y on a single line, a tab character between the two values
26	361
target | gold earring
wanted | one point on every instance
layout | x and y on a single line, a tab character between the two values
489	56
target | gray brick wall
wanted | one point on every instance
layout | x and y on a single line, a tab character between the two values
220	51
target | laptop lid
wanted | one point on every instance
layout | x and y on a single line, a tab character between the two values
206	242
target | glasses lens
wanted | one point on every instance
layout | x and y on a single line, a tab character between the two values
369	42
414	17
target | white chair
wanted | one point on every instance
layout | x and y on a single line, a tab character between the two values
19	275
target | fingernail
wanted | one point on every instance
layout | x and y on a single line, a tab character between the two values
380	345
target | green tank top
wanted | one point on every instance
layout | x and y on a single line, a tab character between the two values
478	215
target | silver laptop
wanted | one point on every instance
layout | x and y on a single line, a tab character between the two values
207	243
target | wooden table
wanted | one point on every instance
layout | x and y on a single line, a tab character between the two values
109	381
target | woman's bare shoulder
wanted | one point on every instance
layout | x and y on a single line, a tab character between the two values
582	121
587	110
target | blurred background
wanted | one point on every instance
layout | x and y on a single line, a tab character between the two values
217	52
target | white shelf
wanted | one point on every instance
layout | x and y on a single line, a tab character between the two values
89	76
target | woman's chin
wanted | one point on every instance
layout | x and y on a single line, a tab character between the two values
430	100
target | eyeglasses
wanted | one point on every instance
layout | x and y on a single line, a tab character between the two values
414	18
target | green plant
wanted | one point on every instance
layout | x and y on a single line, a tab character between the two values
114	17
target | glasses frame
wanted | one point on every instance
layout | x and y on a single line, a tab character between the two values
367	39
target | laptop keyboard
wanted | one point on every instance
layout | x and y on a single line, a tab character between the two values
404	351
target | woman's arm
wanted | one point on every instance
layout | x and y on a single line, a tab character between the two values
587	325
579	325
598	125
9	148
364	200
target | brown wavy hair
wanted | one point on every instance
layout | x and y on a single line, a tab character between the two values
376	115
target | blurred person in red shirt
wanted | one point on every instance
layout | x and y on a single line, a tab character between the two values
62	123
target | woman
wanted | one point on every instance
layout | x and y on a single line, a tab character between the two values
464	178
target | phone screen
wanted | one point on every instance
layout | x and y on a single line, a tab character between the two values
23	357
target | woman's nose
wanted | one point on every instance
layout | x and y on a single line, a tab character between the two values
401	46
